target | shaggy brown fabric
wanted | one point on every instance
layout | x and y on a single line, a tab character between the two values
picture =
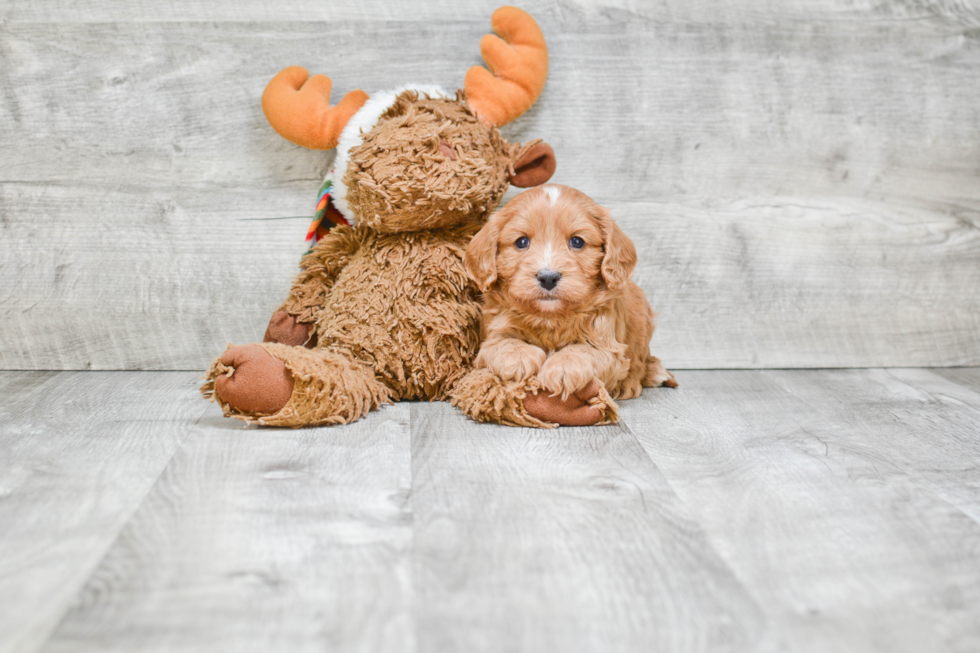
405	308
486	398
400	180
327	389
401	321
319	270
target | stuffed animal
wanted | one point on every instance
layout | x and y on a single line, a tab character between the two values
383	308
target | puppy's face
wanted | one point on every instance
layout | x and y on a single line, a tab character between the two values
550	251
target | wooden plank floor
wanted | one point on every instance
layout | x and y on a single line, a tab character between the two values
748	510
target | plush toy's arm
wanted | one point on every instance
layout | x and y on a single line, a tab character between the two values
292	323
319	271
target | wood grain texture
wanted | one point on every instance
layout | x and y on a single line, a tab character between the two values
565	540
79	453
165	281
845	501
746	510
951	12
949	467
262	540
796	201
968	377
637	109
800	282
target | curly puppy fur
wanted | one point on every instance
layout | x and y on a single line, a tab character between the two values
385	310
559	302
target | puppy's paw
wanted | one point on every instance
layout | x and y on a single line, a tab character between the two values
512	361
566	371
629	389
657	375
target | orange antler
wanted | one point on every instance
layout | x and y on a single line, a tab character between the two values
518	62
298	107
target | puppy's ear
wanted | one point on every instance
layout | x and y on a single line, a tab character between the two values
620	254
480	258
533	165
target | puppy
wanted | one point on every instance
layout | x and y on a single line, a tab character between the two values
559	303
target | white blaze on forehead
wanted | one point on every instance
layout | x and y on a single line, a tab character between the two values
553	192
546	257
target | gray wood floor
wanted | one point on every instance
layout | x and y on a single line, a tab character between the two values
822	510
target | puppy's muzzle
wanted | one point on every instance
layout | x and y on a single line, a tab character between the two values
548	278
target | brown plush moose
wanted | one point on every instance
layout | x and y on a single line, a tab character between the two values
383	308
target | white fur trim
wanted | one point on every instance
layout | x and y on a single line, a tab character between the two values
361	123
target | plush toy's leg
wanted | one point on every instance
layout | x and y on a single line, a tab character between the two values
285	329
277	385
486	398
586	407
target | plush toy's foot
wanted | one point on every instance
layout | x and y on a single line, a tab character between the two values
586	407
326	387
284	329
486	398
251	381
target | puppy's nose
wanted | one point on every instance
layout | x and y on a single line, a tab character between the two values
548	278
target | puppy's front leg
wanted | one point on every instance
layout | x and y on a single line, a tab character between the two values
573	367
567	370
510	359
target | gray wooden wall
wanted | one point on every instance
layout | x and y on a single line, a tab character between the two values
801	177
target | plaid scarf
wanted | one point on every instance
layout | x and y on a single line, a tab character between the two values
326	217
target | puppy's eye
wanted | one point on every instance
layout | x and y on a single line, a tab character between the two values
522	242
576	243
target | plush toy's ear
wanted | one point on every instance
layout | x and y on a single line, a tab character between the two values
619	260
298	108
480	258
534	166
